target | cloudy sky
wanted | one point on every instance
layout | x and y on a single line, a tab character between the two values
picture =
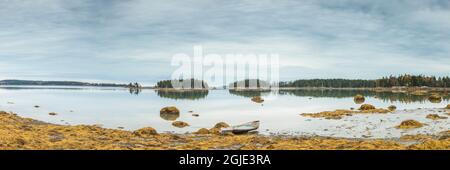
134	40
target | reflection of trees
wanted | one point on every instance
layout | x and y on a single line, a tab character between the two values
135	91
249	93
384	96
183	94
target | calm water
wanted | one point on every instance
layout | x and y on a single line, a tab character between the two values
117	107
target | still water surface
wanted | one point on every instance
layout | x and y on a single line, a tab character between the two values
279	114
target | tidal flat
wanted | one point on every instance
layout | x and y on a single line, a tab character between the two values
114	118
25	133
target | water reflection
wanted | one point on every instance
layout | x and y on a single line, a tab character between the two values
135	91
169	116
384	96
182	94
249	93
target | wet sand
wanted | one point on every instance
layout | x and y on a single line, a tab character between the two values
24	133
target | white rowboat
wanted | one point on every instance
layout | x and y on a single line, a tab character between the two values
243	128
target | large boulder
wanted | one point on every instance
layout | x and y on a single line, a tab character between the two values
359	99
169	113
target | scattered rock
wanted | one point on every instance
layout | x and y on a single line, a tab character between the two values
52	114
367	107
202	131
409	124
359	99
147	131
392	108
170	110
196	115
180	124
434	98
258	99
435	117
221	125
169	113
215	131
37	106
337	114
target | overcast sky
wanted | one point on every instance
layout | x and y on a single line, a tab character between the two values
134	40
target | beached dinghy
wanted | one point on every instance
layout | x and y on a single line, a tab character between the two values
243	128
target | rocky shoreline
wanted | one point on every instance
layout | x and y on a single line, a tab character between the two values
24	133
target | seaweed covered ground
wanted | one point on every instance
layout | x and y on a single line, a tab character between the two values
24	133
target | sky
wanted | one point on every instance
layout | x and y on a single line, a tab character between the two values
135	40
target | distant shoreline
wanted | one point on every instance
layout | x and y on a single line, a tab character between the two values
378	89
85	84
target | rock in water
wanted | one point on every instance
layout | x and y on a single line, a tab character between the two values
202	131
258	99
367	107
435	98
52	114
448	106
392	108
409	124
180	124
359	99
435	117
147	131
169	113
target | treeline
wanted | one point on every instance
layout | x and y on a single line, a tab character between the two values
330	83
186	84
391	81
249	83
56	83
413	81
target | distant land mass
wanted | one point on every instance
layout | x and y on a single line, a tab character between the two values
57	83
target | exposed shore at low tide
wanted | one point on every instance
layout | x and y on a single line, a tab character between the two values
24	133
